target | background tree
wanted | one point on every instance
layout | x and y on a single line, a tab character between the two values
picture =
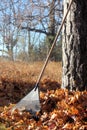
44	19
37	20
74	46
8	30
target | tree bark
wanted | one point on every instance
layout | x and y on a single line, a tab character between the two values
74	46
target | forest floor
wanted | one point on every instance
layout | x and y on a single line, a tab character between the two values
60	109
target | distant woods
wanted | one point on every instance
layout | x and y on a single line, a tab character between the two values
28	28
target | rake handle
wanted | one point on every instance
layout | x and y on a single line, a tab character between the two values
54	42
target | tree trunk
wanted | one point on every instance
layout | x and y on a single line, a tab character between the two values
52	18
51	29
74	46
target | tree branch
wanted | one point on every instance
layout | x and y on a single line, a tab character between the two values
36	30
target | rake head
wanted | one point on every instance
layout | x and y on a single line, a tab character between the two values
30	102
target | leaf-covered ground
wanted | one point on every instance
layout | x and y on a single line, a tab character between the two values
60	109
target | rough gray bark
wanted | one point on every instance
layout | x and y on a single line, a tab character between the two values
74	46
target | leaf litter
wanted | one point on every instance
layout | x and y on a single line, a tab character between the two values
60	108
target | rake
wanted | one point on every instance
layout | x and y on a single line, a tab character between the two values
31	102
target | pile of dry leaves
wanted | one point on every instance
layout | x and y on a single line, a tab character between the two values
60	110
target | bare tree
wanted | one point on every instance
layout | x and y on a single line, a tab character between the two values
43	17
39	18
7	26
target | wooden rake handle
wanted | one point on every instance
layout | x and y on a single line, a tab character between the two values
53	44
